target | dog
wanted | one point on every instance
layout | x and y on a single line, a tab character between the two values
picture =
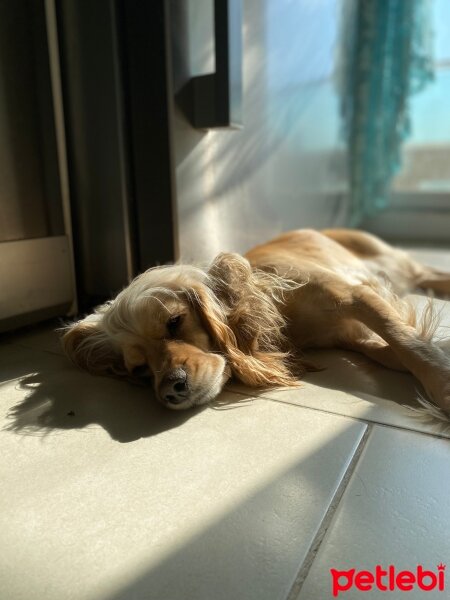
250	317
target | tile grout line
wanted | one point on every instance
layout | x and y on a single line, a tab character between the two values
326	521
357	419
24	346
438	436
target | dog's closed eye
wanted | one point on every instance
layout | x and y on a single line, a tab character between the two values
173	325
141	371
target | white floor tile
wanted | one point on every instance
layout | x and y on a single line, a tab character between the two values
38	337
438	258
208	504
395	511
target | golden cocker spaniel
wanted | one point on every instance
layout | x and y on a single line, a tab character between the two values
249	317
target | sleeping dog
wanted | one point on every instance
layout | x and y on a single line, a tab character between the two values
249	317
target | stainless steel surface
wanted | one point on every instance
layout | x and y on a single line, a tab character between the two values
55	75
36	261
217	97
129	250
238	188
94	124
148	111
29	187
34	276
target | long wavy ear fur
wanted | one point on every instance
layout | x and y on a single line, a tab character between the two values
239	307
90	348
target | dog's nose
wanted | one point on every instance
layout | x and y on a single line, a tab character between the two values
174	388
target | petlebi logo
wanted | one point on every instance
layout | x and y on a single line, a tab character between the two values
388	579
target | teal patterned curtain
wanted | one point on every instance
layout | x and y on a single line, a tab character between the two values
385	57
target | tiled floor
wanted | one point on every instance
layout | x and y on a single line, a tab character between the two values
106	495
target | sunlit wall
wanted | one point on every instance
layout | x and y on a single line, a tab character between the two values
284	169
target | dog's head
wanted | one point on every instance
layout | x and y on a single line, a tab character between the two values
190	330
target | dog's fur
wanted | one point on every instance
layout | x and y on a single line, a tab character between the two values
249	317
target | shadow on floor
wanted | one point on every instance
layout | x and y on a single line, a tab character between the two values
60	397
356	374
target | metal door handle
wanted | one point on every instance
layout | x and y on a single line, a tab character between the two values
217	97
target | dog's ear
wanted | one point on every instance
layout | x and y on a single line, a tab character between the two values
232	281
90	348
251	298
238	310
229	277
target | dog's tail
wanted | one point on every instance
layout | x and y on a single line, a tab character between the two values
427	320
429	413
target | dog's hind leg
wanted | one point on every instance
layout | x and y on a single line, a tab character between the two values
377	351
435	280
404	272
424	359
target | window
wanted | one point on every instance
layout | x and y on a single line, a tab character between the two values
426	164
